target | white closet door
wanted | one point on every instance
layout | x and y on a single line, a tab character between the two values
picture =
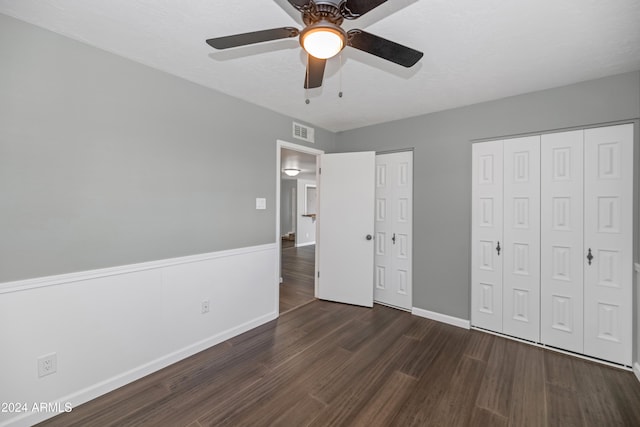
561	243
393	216
486	251
608	242
521	277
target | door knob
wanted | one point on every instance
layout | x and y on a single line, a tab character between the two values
369	237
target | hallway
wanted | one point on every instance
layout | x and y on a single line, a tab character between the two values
298	265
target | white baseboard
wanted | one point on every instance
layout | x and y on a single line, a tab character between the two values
305	244
636	370
82	396
450	320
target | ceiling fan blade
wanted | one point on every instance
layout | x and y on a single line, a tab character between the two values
315	72
383	48
299	4
253	37
353	9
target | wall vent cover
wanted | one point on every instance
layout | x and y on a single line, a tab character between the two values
303	132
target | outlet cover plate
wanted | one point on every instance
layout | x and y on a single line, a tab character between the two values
205	306
47	364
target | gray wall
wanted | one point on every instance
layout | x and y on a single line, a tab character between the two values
442	169
107	162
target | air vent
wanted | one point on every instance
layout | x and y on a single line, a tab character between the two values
303	132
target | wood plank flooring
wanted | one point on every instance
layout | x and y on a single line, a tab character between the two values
333	364
298	267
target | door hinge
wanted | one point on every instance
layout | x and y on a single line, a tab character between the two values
319	171
318	274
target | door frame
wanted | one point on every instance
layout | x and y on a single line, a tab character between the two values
280	144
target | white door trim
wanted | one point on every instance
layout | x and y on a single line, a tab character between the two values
280	144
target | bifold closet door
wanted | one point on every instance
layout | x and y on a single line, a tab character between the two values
521	262
562	258
393	229
486	226
552	240
608	242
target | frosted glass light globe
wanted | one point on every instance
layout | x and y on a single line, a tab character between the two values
322	43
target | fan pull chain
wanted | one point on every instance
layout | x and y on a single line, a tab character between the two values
306	86
340	78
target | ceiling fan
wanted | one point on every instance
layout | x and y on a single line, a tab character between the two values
323	37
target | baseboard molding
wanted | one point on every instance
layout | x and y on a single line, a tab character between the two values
305	244
60	279
636	370
125	378
438	317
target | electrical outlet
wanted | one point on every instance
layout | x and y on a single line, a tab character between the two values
47	364
205	306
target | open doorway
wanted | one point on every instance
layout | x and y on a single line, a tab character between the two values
297	220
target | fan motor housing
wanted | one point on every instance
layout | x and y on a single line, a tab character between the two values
323	10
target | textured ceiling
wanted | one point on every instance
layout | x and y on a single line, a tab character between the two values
474	50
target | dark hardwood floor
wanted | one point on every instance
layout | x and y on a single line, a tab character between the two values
298	267
339	365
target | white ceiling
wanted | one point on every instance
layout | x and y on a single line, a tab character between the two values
474	50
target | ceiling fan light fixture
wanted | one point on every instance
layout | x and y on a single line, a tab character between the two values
323	37
292	171
323	40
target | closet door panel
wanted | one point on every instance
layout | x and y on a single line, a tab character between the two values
486	250
383	231
521	268
393	224
608	242
561	244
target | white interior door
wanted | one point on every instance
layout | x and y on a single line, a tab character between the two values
562	260
486	240
608	172
521	274
346	228
393	224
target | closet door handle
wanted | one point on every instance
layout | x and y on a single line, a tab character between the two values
498	248
589	256
393	239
